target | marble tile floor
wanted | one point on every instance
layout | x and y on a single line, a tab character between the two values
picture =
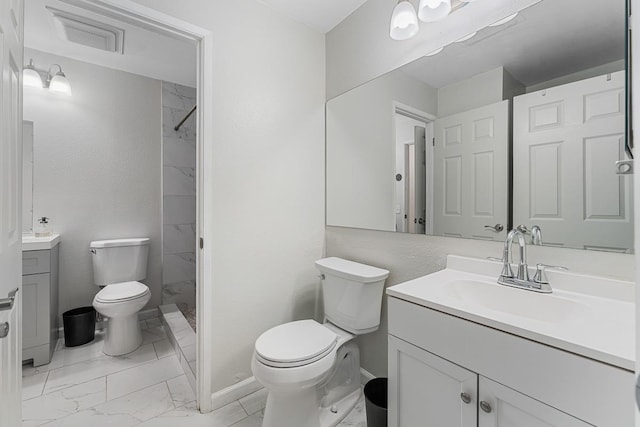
83	387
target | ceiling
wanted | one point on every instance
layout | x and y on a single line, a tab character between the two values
321	15
145	52
551	39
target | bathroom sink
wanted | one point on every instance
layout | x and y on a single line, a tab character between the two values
517	302
586	315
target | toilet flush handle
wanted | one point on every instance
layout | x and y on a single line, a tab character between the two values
321	276
93	251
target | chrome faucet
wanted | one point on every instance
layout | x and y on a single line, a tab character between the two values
523	271
521	279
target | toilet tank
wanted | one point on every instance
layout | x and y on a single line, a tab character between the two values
120	260
352	294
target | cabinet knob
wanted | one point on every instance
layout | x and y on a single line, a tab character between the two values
485	407
465	397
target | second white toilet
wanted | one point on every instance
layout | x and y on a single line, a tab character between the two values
312	370
117	267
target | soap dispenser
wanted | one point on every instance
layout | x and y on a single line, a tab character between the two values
43	227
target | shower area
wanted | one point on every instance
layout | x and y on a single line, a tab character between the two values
178	309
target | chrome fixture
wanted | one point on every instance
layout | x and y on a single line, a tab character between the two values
535	232
521	279
497	228
55	82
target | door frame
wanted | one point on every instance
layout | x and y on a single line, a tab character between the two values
164	24
428	120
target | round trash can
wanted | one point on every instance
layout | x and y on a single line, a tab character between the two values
79	326
375	395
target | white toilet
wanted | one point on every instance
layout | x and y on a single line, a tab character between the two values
312	370
117	267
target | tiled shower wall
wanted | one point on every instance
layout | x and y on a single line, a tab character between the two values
179	196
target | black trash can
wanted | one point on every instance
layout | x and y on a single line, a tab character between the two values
375	395
79	326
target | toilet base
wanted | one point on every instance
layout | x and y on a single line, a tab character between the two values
123	335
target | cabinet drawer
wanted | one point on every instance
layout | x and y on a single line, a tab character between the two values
35	262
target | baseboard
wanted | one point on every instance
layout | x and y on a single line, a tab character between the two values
365	376
142	315
232	393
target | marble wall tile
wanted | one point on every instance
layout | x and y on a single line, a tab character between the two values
179	268
179	152
179	181
180	293
179	238
179	209
179	190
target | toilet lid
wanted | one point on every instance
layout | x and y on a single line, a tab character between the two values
119	292
295	344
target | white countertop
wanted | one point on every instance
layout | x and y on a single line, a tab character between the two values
586	315
32	243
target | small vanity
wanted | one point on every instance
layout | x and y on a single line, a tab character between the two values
39	298
466	351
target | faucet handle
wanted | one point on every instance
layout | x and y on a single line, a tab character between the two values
541	275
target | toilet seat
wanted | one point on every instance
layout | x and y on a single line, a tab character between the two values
295	344
122	292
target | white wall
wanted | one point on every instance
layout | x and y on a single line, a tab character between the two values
361	149
97	167
611	67
409	256
269	87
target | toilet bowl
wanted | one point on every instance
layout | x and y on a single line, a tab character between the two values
293	361
120	303
312	370
118	265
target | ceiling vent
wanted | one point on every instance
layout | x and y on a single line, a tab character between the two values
87	32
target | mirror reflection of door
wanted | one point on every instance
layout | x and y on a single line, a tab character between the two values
413	170
470	159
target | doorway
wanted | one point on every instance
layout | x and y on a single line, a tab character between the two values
149	20
414	171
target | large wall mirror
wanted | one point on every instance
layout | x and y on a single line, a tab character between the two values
519	124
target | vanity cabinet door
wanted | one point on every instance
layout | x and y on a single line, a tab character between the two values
500	406
426	390
35	310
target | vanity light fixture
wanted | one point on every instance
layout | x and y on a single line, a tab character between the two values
435	52
467	37
404	21
58	82
433	10
30	76
504	20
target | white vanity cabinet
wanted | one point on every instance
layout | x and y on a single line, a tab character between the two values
434	357
39	304
425	389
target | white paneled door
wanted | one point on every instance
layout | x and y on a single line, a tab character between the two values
567	140
471	173
11	57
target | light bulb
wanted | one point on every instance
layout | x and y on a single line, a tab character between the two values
60	84
433	10
30	76
404	22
